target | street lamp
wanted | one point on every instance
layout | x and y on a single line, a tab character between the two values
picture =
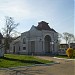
52	45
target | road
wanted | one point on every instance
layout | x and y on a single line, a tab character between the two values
65	67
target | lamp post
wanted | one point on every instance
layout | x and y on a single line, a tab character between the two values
52	47
69	45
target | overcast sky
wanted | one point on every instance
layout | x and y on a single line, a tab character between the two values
58	13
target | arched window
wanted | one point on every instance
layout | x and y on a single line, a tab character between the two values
24	40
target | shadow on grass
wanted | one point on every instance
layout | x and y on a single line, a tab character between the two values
22	61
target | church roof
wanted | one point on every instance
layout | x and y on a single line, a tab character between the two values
1	36
44	26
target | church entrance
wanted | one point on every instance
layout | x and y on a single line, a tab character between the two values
32	47
14	49
47	44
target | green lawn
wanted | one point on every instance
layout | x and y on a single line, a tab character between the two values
11	60
64	56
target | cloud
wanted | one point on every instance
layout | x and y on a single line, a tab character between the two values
55	12
24	9
16	8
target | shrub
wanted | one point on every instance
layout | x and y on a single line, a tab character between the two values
74	53
69	52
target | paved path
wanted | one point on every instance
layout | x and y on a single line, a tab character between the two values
66	67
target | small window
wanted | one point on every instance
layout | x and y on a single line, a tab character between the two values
19	48
24	40
14	49
24	48
0	41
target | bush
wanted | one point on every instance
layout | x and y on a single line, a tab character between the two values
69	52
74	53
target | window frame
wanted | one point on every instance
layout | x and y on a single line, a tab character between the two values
24	40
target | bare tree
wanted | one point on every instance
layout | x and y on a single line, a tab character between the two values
65	36
74	40
59	38
68	37
71	38
9	26
8	30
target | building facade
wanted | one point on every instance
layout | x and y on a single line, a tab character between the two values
72	45
1	46
62	49
38	40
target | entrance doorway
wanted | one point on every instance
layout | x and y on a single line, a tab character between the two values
14	49
47	43
32	47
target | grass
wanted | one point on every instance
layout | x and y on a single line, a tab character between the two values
64	56
11	60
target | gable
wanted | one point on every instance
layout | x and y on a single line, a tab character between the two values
33	28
